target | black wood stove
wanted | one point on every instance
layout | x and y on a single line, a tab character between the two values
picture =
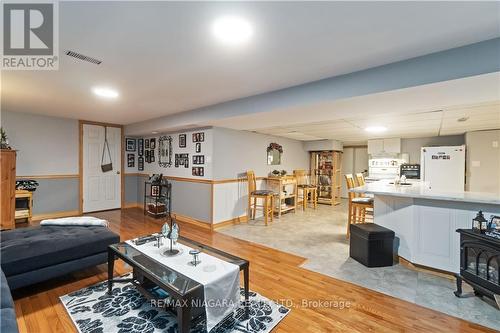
479	263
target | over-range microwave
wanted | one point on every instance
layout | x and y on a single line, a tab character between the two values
410	171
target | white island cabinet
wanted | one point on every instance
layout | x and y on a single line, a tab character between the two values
425	221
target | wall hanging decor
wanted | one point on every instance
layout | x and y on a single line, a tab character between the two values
165	151
199	137
274	152
146	144
146	156
140	147
198	148
198	159
198	171
151	155
131	160
152	143
182	140
140	163
182	159
130	144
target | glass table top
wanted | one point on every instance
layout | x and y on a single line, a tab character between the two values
169	277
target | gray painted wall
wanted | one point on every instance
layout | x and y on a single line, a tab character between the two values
46	145
189	199
412	146
483	161
131	189
235	152
56	195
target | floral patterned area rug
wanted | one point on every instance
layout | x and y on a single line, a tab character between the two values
127	311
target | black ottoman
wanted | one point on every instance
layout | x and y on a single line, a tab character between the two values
371	244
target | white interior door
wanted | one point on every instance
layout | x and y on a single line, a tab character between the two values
101	190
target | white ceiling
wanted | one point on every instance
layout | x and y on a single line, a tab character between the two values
427	110
163	60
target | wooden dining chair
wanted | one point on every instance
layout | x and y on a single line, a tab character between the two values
357	205
360	178
307	192
267	197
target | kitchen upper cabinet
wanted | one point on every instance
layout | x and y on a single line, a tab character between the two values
375	147
392	146
379	147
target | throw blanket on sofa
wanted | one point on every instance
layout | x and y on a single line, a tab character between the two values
84	221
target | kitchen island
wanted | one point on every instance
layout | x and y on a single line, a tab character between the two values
425	220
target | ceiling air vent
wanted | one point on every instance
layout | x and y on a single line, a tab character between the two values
83	57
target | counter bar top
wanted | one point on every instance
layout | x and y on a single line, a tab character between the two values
421	190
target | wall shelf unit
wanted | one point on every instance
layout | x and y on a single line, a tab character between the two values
157	198
327	176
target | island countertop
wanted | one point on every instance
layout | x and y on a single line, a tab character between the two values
421	190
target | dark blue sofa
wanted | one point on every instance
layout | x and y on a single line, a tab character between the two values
35	254
8	323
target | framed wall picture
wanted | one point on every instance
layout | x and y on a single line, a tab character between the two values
165	151
198	171
151	155
152	143
131	160
198	159
146	155
198	148
146	144
140	147
199	137
130	144
140	163
182	140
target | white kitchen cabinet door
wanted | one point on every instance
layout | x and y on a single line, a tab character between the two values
392	146
375	147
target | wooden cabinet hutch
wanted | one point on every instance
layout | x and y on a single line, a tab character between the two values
326	175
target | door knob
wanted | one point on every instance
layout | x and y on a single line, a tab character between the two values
118	172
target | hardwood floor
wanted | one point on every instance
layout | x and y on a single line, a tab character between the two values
273	273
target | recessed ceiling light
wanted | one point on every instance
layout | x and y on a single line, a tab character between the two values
232	30
154	132
376	129
105	92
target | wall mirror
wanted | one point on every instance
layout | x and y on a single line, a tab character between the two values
165	151
274	152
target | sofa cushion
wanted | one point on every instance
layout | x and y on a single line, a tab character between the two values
8	323
27	249
5	296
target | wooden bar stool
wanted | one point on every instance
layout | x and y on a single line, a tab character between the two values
309	192
357	205
267	197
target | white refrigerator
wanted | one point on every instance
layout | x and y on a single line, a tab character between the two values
443	168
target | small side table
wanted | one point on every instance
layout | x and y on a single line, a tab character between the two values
24	206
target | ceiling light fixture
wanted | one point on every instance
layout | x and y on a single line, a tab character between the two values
154	132
461	120
232	30
376	129
105	92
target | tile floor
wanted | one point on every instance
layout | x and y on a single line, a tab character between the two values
319	235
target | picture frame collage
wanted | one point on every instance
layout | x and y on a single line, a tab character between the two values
145	150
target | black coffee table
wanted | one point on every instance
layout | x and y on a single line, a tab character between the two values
181	289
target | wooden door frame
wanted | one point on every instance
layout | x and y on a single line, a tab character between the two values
80	161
